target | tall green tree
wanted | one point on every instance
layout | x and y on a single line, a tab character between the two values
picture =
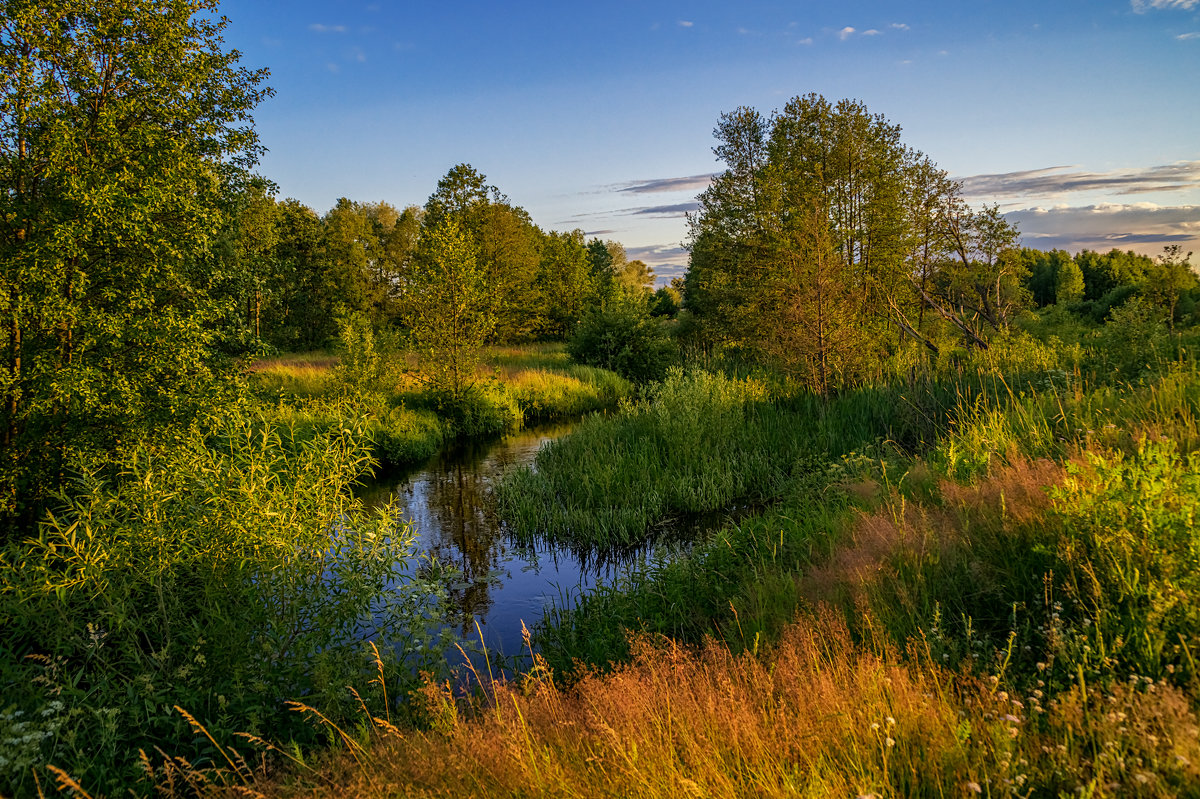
366	256
827	241
301	316
256	242
447	307
1167	278
507	242
124	128
564	281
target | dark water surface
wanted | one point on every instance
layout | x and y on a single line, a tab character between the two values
497	583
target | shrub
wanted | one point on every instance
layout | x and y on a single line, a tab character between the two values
223	574
1134	340
624	337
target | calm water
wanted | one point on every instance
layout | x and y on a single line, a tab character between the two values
499	583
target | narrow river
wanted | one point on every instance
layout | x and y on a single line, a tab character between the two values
498	583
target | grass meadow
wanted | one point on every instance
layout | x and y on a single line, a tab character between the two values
969	581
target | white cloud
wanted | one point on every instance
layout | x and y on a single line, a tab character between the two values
899	26
1050	181
870	32
1145	227
317	27
806	40
1142	6
846	32
1183	37
683	23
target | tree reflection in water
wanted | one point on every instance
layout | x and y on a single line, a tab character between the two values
493	580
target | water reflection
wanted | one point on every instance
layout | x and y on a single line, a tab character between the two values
497	581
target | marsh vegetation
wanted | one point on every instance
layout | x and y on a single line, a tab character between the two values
955	480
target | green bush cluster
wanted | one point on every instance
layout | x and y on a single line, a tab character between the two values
224	573
623	336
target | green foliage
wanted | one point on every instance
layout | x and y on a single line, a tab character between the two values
697	443
397	435
448	309
564	281
507	248
125	132
224	573
622	336
485	409
367	356
1135	339
1102	273
825	236
1128	550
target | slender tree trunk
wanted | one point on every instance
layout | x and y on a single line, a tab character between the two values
14	369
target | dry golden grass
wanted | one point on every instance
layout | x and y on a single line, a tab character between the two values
821	716
898	529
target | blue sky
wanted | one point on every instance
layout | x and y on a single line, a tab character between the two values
1081	118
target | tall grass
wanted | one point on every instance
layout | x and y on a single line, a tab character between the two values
405	422
974	584
223	573
699	442
820	715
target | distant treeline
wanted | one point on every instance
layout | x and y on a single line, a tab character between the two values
1093	284
300	271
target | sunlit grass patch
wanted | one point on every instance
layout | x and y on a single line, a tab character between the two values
300	374
514	358
820	714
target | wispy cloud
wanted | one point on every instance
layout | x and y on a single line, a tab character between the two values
1142	6
898	26
870	32
667	260
1145	227
1183	37
317	27
666	211
1054	180
846	32
683	23
807	40
657	185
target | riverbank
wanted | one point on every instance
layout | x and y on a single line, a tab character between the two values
1001	611
211	575
406	422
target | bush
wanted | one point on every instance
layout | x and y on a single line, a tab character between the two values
224	574
1135	339
480	410
625	338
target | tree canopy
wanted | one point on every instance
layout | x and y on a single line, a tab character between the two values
826	240
124	130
